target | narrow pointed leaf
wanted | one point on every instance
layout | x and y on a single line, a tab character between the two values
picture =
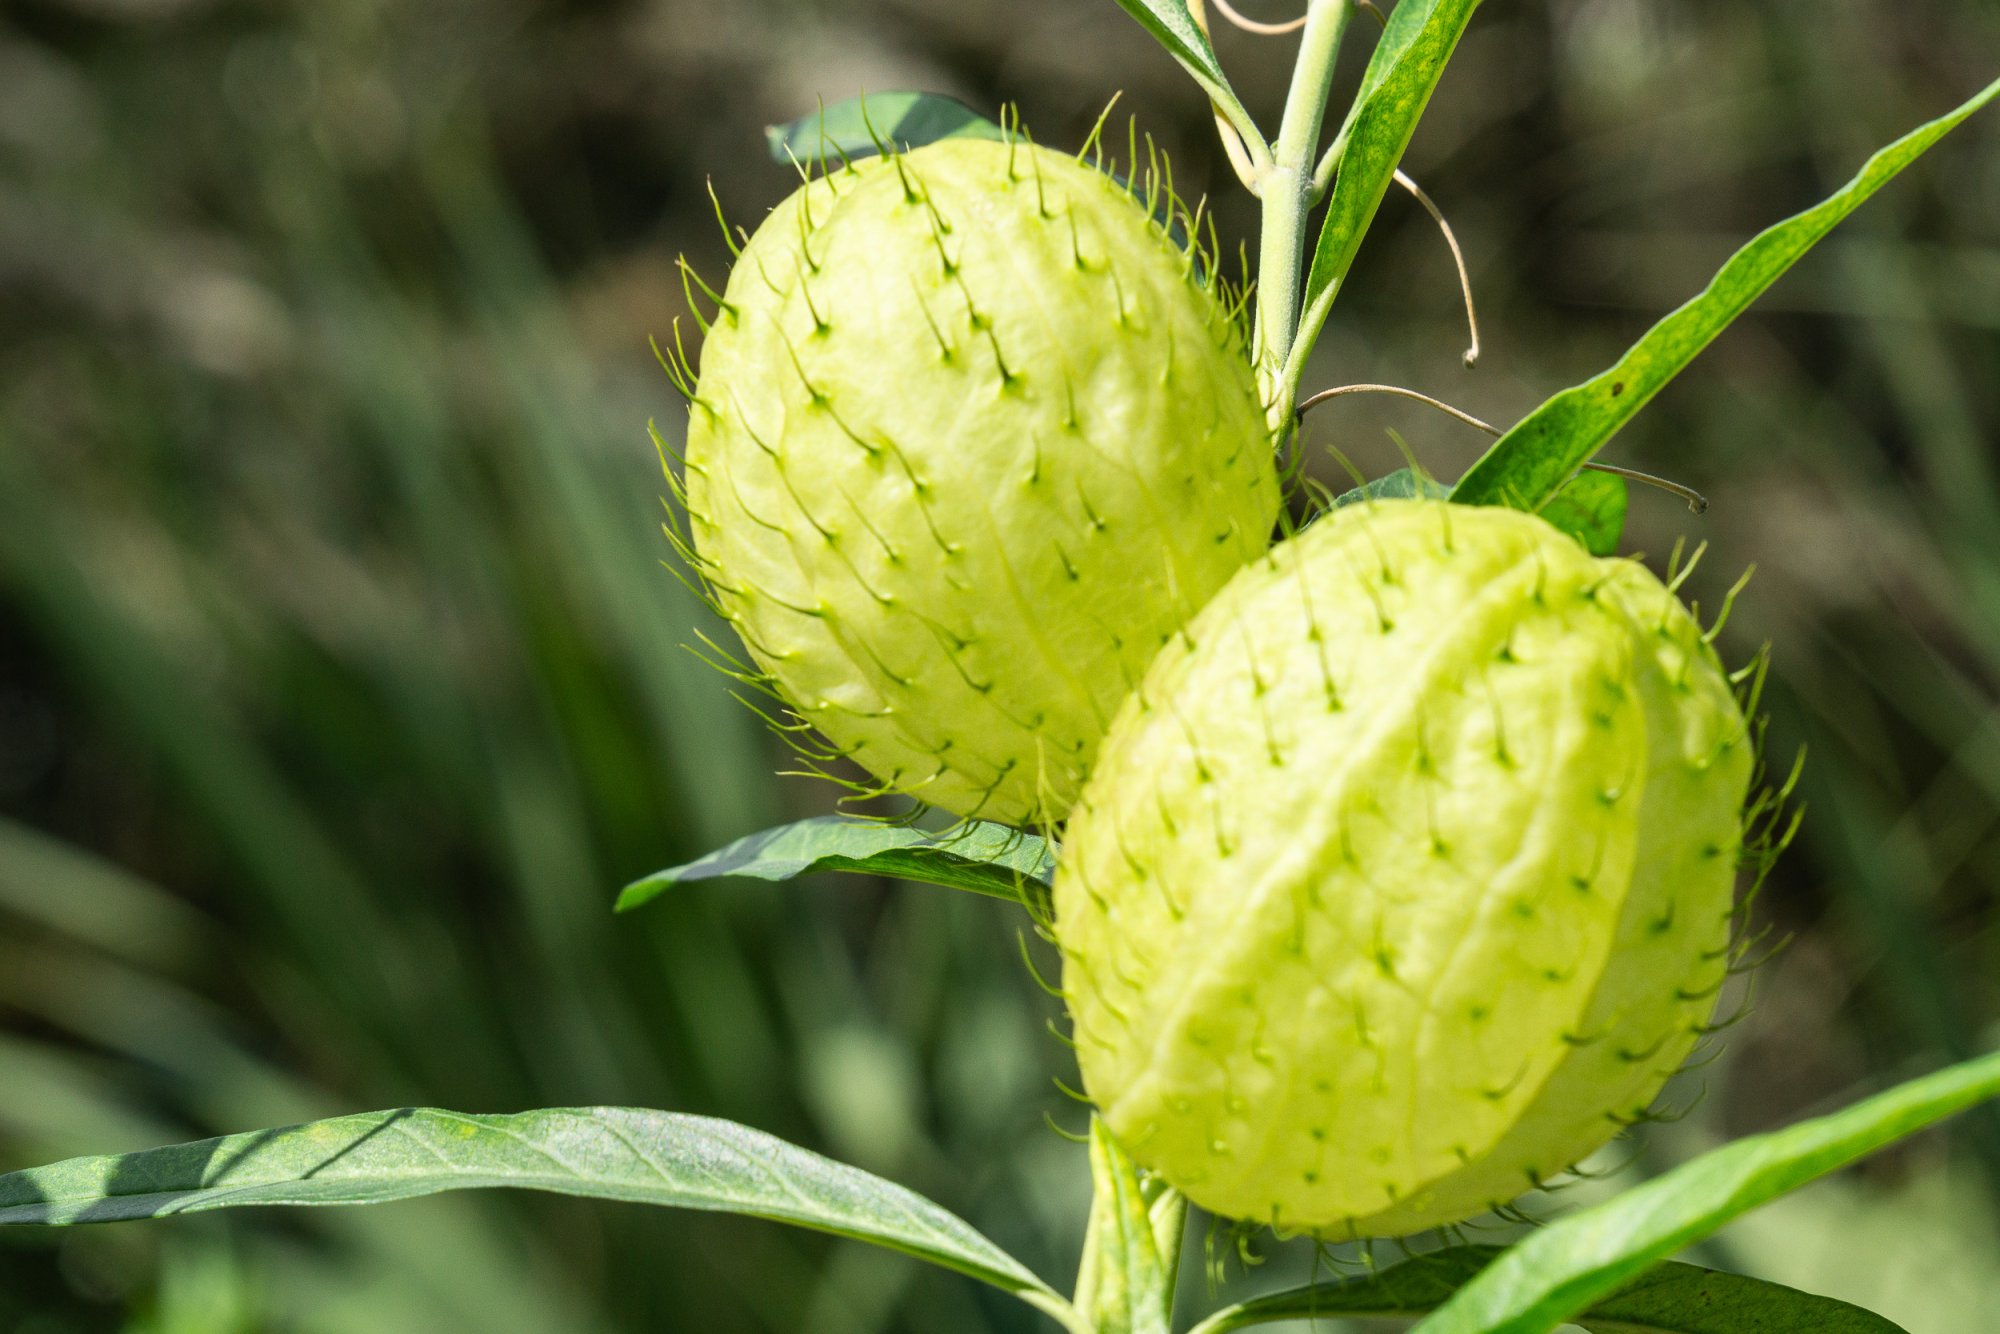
1527	465
1687	1299
613	1153
1672	1299
1395	89
1172	25
1580	1260
858	128
985	858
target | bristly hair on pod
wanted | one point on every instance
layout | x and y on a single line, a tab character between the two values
1769	821
774	468
1129	980
1771	812
700	575
1227	1240
1150	183
816	757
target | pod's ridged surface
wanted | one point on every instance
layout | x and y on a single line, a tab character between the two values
1410	880
969	445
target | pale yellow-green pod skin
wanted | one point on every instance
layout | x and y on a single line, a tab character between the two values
1407	879
970	442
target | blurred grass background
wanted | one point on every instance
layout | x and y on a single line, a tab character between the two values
340	683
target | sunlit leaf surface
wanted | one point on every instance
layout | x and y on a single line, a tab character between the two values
985	858
648	1157
1578	1261
1528	464
1401	75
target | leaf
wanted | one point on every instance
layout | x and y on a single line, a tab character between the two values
1395	88
976	855
858	128
1672	1299
1591	509
1527	465
613	1153
1402	484
1416	1285
1579	1260
1687	1299
1126	1282
1172	25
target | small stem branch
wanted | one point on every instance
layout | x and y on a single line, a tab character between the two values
1229	111
1293	373
1239	156
1059	1311
1288	195
1242	142
1697	503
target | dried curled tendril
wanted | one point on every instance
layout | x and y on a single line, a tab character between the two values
1696	501
1229	12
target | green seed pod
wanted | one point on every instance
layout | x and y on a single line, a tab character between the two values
971	440
1406	879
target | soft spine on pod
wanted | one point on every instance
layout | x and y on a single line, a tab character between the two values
1407	879
972	438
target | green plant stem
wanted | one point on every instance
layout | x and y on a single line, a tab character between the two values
1131	1251
1286	188
1285	183
1168	1211
1060	1311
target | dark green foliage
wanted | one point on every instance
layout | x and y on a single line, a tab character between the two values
1672	1299
1591	508
1566	1268
862	127
1402	484
975	855
617	1153
1528	464
1402	74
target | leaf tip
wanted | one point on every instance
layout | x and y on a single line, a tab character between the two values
641	892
